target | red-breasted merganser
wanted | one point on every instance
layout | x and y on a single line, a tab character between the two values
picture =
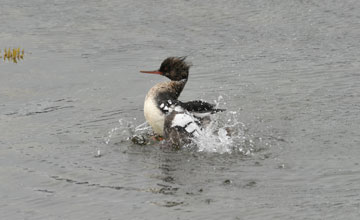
174	120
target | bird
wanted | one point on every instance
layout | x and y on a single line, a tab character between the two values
173	120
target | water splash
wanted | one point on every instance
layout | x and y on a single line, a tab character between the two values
124	129
110	134
226	133
127	130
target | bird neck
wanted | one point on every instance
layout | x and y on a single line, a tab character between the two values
178	86
170	90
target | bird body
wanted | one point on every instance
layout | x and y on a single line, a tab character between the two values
176	121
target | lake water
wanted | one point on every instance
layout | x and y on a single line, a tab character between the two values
287	72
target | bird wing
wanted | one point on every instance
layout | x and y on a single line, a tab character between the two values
199	107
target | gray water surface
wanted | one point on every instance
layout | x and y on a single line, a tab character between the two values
286	71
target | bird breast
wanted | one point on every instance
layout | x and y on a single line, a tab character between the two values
152	112
153	115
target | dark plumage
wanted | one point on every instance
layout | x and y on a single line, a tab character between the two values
199	106
175	68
